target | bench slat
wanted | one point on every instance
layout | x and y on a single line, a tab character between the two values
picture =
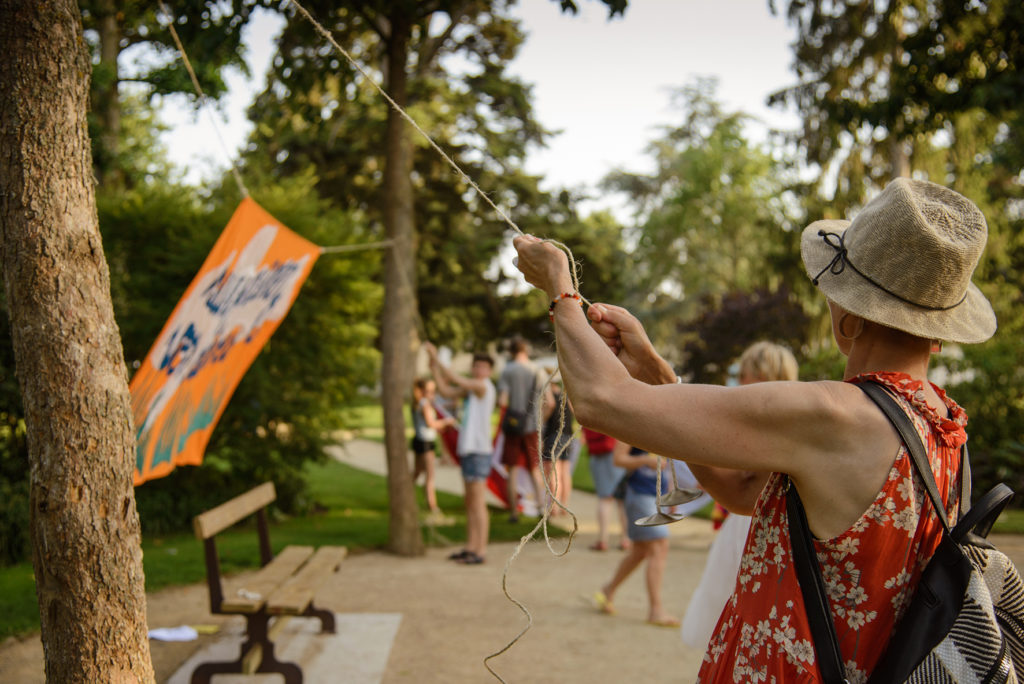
228	513
293	597
261	585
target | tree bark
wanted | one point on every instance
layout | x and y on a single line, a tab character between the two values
85	529
398	332
106	101
105	98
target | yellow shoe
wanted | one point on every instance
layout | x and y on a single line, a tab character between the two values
602	603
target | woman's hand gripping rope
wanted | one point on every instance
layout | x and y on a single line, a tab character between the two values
546	267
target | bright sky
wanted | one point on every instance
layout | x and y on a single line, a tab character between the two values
604	84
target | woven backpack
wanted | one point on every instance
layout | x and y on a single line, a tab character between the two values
965	622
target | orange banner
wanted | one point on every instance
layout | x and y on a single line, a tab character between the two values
235	303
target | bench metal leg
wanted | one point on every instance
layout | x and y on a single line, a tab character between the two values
256	637
292	672
326	618
203	673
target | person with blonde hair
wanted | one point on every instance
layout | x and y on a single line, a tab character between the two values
897	279
760	362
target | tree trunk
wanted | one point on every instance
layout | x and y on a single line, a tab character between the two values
85	529
398	332
106	104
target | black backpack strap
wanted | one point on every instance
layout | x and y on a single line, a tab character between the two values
812	586
918	456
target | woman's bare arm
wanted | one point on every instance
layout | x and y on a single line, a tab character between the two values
832	441
736	490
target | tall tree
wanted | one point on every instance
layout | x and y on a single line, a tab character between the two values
876	80
843	56
939	81
85	530
712	218
314	98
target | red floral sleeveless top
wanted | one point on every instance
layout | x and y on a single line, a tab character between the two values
870	570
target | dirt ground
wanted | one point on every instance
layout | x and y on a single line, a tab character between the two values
454	616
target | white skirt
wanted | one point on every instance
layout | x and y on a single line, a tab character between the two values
717	582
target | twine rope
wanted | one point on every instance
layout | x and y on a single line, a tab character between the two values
340	249
574	270
334	249
430	141
203	99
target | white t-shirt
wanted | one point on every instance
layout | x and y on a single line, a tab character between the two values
475	435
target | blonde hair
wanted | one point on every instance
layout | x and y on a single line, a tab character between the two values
767	361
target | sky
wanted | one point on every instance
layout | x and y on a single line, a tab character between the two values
604	84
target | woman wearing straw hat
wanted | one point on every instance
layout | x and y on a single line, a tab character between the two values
897	280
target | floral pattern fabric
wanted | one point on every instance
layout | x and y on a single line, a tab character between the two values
870	570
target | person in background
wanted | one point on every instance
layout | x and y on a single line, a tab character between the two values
474	447
649	544
606	476
760	362
426	424
518	387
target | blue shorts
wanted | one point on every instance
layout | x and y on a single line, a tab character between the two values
605	473
641	506
475	467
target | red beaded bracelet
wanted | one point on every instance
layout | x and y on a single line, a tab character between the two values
564	295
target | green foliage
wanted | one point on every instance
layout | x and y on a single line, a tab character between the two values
986	381
728	326
14	511
614	6
292	397
930	87
823	362
211	32
714	217
210	28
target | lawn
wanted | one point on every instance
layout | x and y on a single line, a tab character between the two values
354	514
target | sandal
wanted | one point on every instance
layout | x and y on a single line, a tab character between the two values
603	603
470	559
598	546
459	555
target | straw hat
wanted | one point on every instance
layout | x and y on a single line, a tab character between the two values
906	261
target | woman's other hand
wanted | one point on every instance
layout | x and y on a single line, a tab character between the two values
628	340
543	265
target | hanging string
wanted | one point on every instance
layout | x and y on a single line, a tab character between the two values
430	141
204	101
574	269
340	249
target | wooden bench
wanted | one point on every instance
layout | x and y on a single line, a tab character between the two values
284	586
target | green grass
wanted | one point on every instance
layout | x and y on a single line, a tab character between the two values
581	478
19	612
1010	522
364	416
354	513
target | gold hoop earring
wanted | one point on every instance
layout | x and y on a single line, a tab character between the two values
842	333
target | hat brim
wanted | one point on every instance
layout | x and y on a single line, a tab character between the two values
969	322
